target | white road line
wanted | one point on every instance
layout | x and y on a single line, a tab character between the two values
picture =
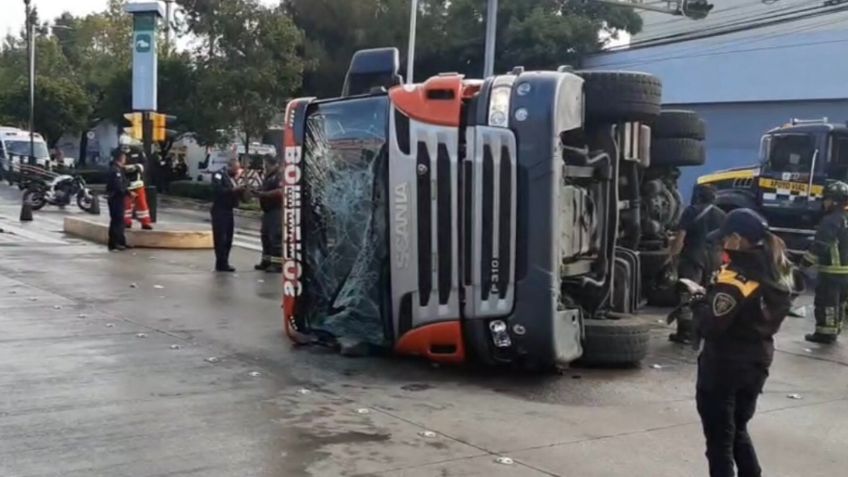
256	247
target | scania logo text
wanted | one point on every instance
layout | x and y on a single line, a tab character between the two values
400	211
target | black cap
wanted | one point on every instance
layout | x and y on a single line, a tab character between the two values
703	194
746	223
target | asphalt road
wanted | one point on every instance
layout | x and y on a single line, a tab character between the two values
145	363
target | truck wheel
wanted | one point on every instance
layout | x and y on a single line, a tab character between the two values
615	341
676	123
621	96
678	152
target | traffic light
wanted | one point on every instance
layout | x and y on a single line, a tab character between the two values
160	126
136	131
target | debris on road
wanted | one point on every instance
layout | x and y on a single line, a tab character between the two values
303	391
133	285
363	410
657	366
505	460
141	335
109	325
212	360
175	346
57	307
255	374
158	287
427	434
794	396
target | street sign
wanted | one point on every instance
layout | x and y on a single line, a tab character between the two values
142	43
145	61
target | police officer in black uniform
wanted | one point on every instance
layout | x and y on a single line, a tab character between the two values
116	190
271	201
737	316
226	197
697	259
829	253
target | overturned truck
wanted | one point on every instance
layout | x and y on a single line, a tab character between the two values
495	220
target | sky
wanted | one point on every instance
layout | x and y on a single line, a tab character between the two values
12	20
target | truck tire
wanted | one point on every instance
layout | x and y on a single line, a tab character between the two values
677	123
677	152
619	342
621	96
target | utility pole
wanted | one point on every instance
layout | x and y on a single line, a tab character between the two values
491	37
30	32
410	54
168	12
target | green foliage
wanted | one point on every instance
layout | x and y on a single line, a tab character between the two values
248	64
203	191
451	34
61	106
191	190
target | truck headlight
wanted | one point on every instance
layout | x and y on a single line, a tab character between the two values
499	101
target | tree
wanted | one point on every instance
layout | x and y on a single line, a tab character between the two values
61	106
538	34
248	65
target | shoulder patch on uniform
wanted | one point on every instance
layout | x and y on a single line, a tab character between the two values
723	303
745	286
218	176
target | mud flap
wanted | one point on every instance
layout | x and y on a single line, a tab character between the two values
568	334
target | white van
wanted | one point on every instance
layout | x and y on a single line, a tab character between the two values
14	144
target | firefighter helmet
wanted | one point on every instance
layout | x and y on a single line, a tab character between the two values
837	191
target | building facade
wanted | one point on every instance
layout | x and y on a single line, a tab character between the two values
747	82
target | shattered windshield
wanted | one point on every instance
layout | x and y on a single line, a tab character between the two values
792	152
345	246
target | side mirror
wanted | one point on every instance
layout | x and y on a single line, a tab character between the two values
370	69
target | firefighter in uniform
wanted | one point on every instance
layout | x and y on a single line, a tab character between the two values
697	259
116	190
829	253
226	197
271	201
737	316
136	201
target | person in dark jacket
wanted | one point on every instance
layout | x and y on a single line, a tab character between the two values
227	195
697	259
737	317
829	253
271	200
116	191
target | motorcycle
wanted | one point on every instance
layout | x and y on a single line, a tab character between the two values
60	191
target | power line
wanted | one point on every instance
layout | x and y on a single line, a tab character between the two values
727	26
742	25
719	50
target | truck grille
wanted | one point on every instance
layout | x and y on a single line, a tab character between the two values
489	205
424	222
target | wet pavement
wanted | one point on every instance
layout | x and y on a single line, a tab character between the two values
145	363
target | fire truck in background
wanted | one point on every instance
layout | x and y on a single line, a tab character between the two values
514	219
